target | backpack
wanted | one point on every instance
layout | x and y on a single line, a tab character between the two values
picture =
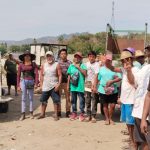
75	78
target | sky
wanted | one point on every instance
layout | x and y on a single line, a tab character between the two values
21	19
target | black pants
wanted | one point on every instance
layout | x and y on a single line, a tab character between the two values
91	99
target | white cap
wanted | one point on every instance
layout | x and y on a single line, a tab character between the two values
49	53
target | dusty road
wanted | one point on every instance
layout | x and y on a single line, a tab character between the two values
47	134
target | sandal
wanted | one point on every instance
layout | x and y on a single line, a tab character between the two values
93	120
41	117
87	119
125	132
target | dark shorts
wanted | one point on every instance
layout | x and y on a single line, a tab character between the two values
54	95
106	99
11	79
139	137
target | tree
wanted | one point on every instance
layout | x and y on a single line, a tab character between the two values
61	39
14	48
3	49
23	48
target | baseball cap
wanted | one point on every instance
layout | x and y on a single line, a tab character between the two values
130	49
78	54
49	53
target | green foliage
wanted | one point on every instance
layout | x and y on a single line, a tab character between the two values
3	48
61	39
16	48
87	42
23	48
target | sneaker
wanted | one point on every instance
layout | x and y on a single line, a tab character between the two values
73	116
81	117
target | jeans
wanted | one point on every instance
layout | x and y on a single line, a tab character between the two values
91	98
74	95
26	94
54	95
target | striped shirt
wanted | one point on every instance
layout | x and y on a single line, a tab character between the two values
64	65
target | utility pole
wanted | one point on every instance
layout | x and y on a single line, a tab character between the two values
113	15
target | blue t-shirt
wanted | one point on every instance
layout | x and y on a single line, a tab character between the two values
104	76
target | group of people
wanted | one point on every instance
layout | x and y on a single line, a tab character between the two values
91	82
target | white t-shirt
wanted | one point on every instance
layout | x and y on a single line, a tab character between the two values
92	69
127	90
142	80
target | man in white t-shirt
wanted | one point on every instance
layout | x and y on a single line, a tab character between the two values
140	80
127	95
90	97
145	123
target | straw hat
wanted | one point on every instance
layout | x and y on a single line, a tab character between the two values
139	53
125	54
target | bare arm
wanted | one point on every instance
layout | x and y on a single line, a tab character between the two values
110	82
94	86
36	75
18	76
130	77
68	83
59	73
146	110
41	76
84	72
146	106
5	66
116	69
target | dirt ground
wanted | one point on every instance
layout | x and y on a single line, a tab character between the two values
46	134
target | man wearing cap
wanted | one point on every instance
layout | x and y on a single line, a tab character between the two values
133	53
76	79
140	80
50	81
140	58
107	88
145	122
127	94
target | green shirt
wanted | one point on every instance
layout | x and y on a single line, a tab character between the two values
11	66
81	87
104	76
